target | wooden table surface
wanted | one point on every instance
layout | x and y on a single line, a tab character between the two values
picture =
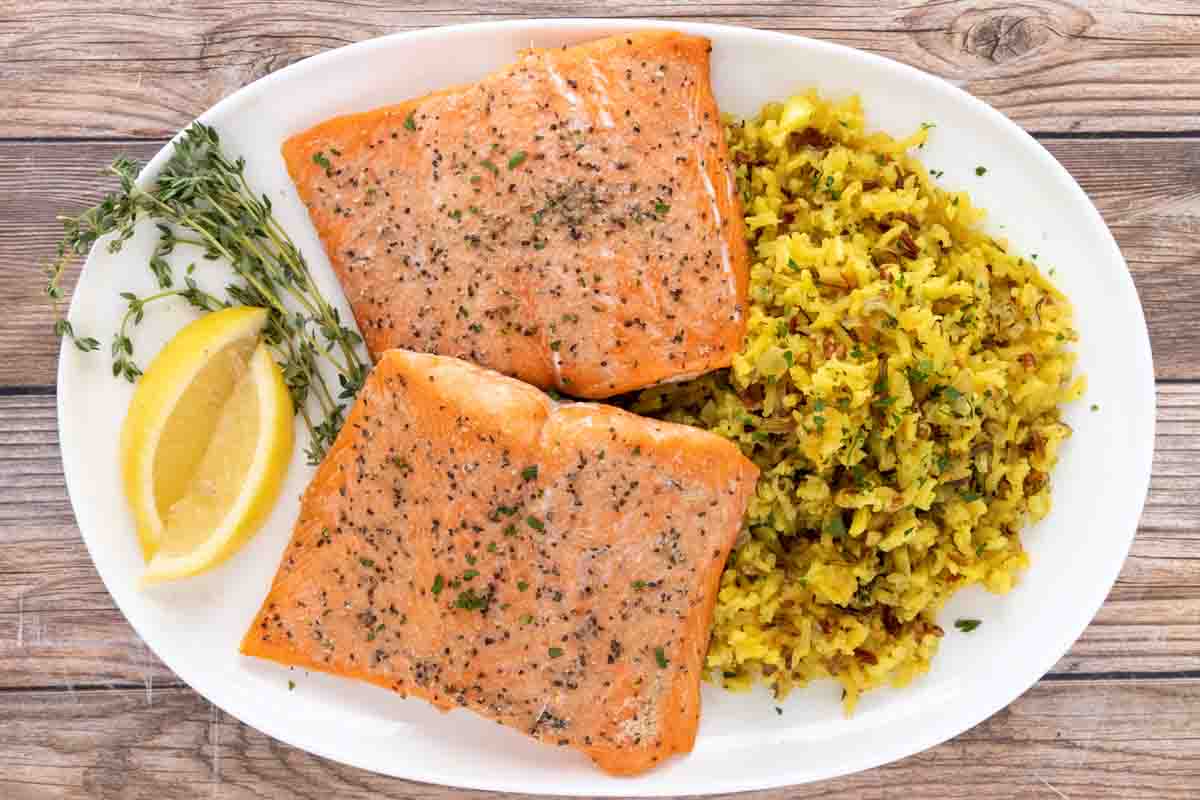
1111	88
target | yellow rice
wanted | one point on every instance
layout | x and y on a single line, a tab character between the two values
899	388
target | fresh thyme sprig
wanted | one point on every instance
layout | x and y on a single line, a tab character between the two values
201	198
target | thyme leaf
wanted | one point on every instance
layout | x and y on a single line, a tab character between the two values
201	199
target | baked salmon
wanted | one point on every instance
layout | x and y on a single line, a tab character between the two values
552	567
570	220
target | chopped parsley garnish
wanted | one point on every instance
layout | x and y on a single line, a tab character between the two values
522	586
438	583
921	372
639	585
471	601
859	475
470	575
967	625
535	523
555	652
661	657
950	393
970	497
320	160
1095	407
510	530
410	122
488	165
792	263
530	473
526	619
291	686
981	171
516	159
836	527
556	344
366	562
661	208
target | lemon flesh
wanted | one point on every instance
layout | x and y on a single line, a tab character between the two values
206	444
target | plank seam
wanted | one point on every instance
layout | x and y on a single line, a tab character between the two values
48	390
84	140
1040	135
28	391
1068	677
115	686
1057	135
1052	677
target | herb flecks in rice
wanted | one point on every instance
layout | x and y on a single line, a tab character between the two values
899	387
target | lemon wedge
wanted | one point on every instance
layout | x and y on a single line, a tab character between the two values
205	444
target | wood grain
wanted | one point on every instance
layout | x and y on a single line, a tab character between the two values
107	68
1147	189
87	711
1073	739
59	627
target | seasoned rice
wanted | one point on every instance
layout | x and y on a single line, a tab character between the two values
899	387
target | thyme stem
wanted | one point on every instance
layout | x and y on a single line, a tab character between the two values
202	199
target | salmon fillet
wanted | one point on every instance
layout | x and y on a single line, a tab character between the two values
551	567
570	220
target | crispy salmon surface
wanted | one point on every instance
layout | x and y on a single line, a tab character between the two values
570	220
551	567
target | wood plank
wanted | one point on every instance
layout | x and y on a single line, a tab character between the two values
108	69
69	650
59	627
1073	739
1149	624
1147	189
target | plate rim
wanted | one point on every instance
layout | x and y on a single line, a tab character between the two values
1033	669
